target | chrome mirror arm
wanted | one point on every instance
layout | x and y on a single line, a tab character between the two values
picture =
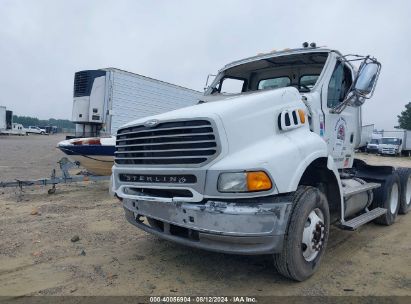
352	99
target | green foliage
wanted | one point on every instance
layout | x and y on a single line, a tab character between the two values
404	119
34	121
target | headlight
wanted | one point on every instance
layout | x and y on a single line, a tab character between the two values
232	182
244	182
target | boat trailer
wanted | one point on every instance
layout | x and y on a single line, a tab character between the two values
65	177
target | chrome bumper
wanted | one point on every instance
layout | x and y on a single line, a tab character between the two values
256	226
388	151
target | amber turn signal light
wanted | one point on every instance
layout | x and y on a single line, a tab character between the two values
258	181
301	113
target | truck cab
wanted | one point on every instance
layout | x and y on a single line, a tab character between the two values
372	146
263	164
390	146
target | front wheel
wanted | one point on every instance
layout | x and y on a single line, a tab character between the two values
306	236
42	133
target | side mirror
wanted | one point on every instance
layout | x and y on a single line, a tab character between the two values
367	78
364	84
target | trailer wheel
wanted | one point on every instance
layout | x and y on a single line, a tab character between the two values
306	236
405	196
388	197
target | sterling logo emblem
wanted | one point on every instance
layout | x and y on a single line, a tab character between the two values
164	179
151	123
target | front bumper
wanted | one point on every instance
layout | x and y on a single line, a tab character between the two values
389	151
253	226
372	149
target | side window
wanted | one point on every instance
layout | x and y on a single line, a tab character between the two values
231	86
274	83
339	85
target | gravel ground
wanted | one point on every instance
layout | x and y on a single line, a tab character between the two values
111	257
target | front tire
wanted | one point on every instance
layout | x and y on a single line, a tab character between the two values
388	197
306	236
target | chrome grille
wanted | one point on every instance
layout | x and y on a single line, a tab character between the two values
189	142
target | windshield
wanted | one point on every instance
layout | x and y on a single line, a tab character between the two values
374	141
390	141
301	71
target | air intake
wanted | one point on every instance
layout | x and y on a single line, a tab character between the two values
83	82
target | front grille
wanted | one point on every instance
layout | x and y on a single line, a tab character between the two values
189	142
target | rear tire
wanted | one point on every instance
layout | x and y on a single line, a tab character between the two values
405	195
308	224
388	197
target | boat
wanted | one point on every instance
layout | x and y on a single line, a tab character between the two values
96	154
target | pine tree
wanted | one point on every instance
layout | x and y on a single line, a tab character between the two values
404	119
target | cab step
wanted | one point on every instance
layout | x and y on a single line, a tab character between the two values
349	191
364	218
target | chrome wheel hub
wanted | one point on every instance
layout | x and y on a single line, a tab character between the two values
313	235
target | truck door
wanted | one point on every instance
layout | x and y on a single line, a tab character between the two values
341	131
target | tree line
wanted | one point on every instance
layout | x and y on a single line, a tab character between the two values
34	121
404	119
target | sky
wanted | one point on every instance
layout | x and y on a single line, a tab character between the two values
44	42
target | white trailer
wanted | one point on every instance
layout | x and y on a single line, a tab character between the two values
106	99
366	136
17	129
407	142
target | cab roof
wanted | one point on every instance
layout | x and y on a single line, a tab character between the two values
285	52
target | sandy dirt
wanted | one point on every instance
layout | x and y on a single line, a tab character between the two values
112	257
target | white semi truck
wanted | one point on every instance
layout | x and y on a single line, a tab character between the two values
390	146
395	142
264	164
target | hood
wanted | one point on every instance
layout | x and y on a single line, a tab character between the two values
244	118
227	105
